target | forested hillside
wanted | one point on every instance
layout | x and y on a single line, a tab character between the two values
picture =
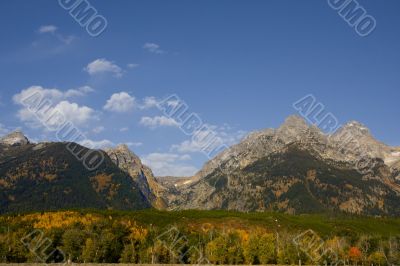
47	176
217	237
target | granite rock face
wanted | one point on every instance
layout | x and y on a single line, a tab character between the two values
129	162
16	138
297	168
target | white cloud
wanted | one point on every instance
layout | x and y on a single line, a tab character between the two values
54	95
98	129
149	102
209	138
167	157
153	48
70	112
134	144
82	91
51	29
47	29
131	65
105	143
74	113
102	65
127	99
153	102
52	101
124	129
158	121
50	94
97	144
189	146
120	103
169	164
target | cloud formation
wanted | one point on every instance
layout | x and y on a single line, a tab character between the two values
153	48
79	92
55	95
209	138
131	65
134	144
49	101
47	29
158	121
71	112
101	66
120	102
169	164
53	30
149	102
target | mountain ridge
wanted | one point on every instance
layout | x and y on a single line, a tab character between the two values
288	169
48	176
351	152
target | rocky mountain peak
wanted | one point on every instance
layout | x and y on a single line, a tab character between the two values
123	148
124	158
16	138
130	163
360	139
296	168
295	121
260	144
293	125
356	128
295	129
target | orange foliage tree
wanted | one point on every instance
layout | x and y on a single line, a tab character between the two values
355	255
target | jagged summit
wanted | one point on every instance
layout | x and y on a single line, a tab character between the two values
130	163
123	147
298	168
16	138
355	128
293	168
357	139
356	124
125	159
295	121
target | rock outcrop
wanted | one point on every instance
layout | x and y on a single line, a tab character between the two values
16	138
297	168
141	174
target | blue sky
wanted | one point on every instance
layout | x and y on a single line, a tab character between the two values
240	65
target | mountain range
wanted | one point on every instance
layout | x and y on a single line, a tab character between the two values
295	168
47	176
